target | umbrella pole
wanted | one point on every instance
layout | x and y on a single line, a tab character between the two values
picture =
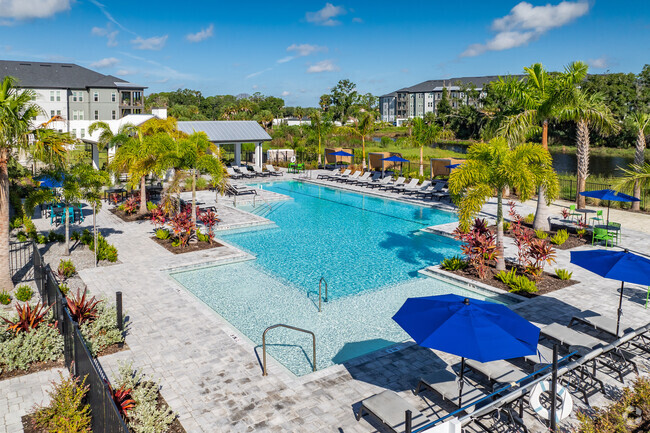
608	204
460	385
620	309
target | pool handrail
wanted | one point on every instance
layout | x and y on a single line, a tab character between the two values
313	336
322	279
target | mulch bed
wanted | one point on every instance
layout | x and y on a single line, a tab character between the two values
547	283
198	246
34	368
130	218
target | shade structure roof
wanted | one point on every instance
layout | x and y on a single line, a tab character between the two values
227	131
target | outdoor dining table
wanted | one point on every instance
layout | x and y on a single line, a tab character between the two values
120	191
608	227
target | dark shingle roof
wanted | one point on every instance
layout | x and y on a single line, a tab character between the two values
428	86
55	75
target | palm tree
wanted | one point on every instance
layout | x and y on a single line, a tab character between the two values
107	139
320	126
588	111
363	126
423	135
49	147
641	122
636	178
197	154
140	155
538	97
17	112
490	168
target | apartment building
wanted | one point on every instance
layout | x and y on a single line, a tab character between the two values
69	93
422	98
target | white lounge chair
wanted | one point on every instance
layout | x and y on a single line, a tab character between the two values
393	412
274	171
233	174
364	177
418	188
389	185
345	178
400	188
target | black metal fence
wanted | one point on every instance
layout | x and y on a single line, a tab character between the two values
106	417
20	261
568	189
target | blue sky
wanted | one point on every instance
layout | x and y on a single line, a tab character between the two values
298	50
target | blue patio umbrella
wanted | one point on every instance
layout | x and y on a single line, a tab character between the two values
395	158
49	182
610	195
452	166
469	328
341	153
615	265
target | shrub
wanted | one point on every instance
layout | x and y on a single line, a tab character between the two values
506	226
158	217
563	274
82	309
453	263
29	227
64	289
506	277
51	236
209	219
151	206
517	283
183	227
5	298
201	183
530	218
20	350
131	206
24	293
28	318
560	237
67	411
86	237
162	234
75	236
540	252
21	236
121	207
479	246
541	234
565	213
102	332
40	239
105	250
202	238
66	269
146	416
122	399
16	223
581	233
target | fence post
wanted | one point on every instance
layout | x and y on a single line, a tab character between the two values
118	306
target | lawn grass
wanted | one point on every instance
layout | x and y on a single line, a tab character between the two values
601	151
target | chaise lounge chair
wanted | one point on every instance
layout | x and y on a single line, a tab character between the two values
274	171
239	190
338	176
395	413
374	179
232	173
401	188
497	372
418	188
260	172
346	179
379	183
446	384
244	172
390	185
364	177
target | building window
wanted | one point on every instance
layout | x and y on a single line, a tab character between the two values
74	133
113	114
58	112
58	96
81	96
96	97
96	115
113	97
81	115
78	115
51	95
51	113
83	132
74	96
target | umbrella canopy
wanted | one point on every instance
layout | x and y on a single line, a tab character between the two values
395	158
341	153
452	166
479	330
609	195
615	265
49	182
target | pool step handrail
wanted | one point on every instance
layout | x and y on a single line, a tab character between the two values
313	336
320	284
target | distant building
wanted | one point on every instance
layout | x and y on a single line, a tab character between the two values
73	92
417	100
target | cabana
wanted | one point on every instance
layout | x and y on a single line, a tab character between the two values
230	132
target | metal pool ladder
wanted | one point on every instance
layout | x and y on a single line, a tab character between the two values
320	283
313	336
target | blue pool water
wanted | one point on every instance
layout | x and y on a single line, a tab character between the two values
368	249
356	242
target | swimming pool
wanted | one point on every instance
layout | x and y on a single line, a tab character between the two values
369	251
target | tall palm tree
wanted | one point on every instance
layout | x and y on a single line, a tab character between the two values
49	147
538	97
588	111
196	154
635	178
641	122
107	139
492	167
423	135
320	126
364	125
17	112
140	155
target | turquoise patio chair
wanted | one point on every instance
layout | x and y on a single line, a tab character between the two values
602	235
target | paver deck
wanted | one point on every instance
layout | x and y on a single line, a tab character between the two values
212	377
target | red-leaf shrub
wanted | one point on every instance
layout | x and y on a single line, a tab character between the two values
82	309
28	318
479	246
209	219
182	227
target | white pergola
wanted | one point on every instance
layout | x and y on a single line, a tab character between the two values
230	132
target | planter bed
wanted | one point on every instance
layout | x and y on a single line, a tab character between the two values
189	248
130	218
572	242
547	283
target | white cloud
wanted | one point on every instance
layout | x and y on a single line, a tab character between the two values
255	74
108	62
108	32
323	66
107	14
286	93
325	16
27	9
286	59
301	50
202	35
122	72
357	20
599	63
153	43
526	23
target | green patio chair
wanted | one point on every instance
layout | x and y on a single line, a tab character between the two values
598	218
572	212
602	235
647	295
616	233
